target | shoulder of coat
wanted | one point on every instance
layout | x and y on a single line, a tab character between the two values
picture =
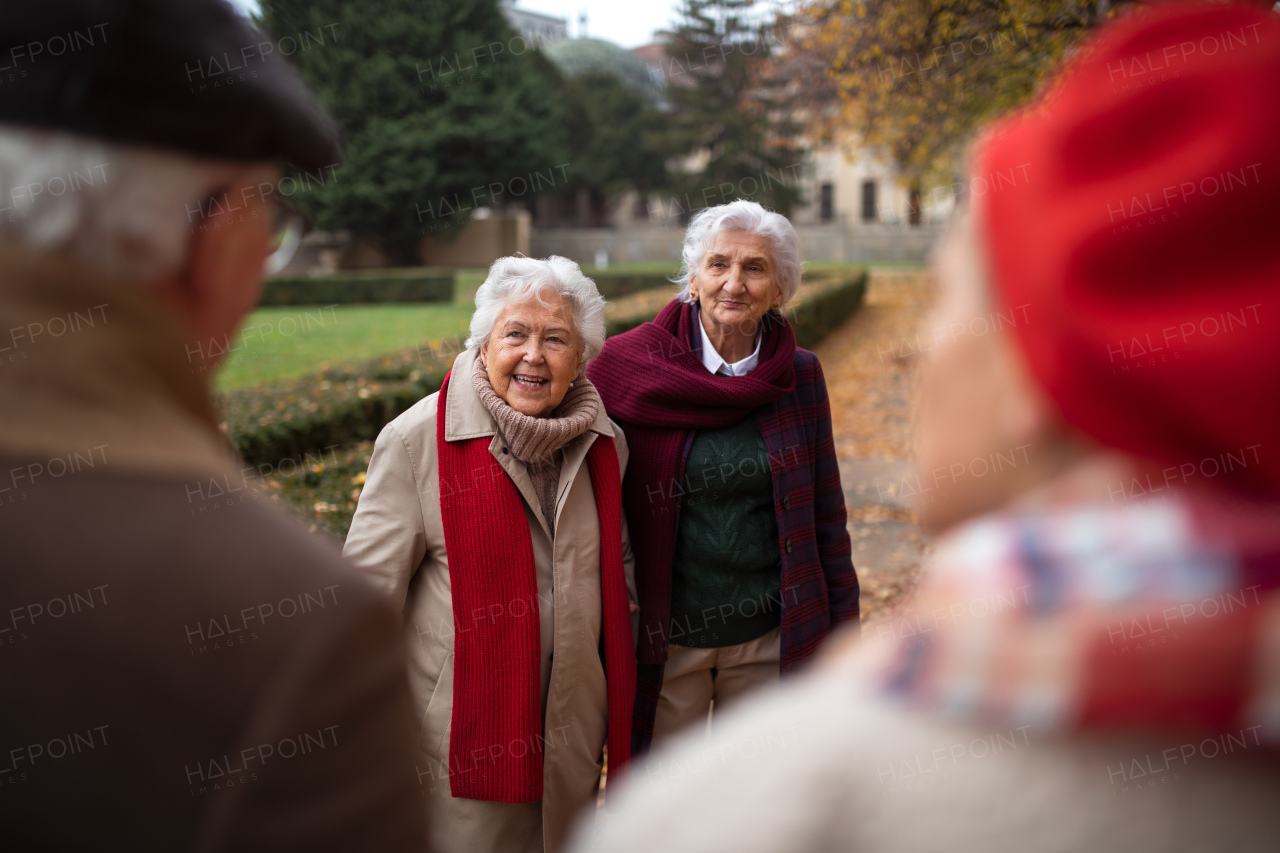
805	361
418	422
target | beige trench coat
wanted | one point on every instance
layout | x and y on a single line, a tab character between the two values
397	539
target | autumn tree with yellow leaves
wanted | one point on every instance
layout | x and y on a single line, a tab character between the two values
916	78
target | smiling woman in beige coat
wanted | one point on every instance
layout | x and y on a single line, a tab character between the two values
492	513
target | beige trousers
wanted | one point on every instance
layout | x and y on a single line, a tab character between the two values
694	680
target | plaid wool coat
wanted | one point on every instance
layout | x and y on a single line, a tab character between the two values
819	584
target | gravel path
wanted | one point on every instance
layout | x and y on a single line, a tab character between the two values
871	373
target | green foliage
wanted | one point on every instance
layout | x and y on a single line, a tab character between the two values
339	406
833	299
614	135
726	105
388	285
613	285
436	102
616	139
325	491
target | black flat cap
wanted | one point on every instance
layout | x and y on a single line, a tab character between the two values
187	75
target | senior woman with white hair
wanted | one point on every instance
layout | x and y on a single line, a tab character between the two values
742	557
492	513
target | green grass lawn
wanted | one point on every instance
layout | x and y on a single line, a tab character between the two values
278	343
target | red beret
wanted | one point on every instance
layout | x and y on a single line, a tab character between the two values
1134	210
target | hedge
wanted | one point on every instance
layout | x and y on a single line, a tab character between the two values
346	404
613	285
822	311
391	285
418	284
351	403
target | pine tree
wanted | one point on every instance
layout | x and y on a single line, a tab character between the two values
726	111
615	137
439	107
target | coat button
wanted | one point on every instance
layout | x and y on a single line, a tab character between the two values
504	450
786	502
788	544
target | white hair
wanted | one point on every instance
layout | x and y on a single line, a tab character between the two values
127	211
743	215
519	278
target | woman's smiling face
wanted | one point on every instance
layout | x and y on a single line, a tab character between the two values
533	353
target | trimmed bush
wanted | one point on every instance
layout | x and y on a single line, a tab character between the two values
817	314
613	285
351	403
405	285
340	406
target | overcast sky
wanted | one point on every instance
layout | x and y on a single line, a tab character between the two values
630	23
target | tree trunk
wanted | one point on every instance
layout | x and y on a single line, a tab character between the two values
914	213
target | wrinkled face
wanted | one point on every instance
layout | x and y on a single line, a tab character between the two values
533	353
736	282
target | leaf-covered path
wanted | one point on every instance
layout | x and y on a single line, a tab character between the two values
871	369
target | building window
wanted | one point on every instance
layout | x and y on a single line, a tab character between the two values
869	212
827	203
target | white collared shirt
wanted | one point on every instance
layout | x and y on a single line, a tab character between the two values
713	362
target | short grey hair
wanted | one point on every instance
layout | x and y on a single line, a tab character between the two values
519	278
122	209
743	215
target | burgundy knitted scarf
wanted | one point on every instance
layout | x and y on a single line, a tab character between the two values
655	384
495	739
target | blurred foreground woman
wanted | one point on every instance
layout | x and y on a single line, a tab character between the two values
493	515
1094	660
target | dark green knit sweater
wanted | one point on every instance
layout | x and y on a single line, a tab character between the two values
727	569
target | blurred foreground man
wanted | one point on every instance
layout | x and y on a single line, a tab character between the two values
183	668
1094	660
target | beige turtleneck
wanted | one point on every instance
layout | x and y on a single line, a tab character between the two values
540	442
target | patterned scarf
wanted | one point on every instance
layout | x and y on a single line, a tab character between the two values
1155	617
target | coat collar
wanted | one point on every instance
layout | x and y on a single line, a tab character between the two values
466	416
89	362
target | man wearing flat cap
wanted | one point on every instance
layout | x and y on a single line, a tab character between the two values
178	672
1092	662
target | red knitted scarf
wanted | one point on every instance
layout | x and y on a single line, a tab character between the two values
655	384
496	737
